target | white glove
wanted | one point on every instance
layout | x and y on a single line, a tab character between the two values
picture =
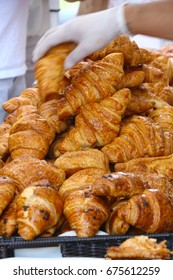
91	32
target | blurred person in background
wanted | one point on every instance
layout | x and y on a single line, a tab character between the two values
13	34
93	31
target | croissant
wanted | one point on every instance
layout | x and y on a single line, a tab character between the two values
30	134
71	162
119	184
85	213
114	224
96	124
165	63
25	170
7	192
80	180
139	248
150	211
127	184
39	208
8	222
133	55
92	83
139	137
161	91
4	136
159	165
132	78
164	117
49	72
30	96
138	104
48	110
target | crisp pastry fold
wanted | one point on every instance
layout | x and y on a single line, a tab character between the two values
39	208
85	213
139	248
71	162
97	123
49	72
150	211
92	84
139	137
164	117
154	165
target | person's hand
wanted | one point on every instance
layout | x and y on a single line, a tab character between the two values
91	32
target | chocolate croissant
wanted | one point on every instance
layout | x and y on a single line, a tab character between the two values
139	137
92	83
39	208
97	123
85	213
150	211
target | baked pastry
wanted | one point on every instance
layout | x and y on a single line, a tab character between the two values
4	136
71	162
85	213
49	72
164	117
8	222
7	192
96	124
39	208
30	96
139	137
26	170
139	248
92	83
153	165
80	180
150	211
133	55
30	134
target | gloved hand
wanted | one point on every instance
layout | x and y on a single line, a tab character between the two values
91	32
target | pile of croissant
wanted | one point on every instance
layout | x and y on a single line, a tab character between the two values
91	147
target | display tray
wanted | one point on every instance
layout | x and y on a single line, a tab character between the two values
72	246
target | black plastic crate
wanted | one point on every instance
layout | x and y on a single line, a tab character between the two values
72	246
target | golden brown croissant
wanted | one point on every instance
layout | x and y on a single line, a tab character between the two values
133	55
138	105
164	117
49	72
8	222
150	211
30	134
25	170
80	180
48	110
4	136
96	124
39	208
114	224
71	162
139	137
139	248
131	78
158	165
92	83
30	96
165	63
7	192
85	213
118	184
160	91
127	184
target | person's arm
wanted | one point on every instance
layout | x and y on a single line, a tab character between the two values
93	31
153	19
